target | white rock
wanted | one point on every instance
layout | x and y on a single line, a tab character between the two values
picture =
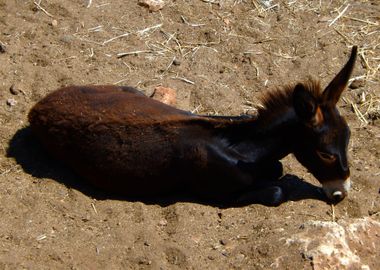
153	5
341	245
11	102
165	95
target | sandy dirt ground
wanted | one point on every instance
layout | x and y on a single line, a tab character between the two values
219	56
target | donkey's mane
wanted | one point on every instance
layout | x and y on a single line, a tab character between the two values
280	100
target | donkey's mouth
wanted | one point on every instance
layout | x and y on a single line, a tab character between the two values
337	190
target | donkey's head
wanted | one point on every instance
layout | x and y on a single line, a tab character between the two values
322	148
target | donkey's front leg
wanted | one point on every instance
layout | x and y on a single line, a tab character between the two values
265	187
269	196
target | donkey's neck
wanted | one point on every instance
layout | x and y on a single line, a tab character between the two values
266	139
274	133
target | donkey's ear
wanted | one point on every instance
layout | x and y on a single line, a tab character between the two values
335	88
306	106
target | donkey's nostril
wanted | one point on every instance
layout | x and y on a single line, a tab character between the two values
338	195
336	190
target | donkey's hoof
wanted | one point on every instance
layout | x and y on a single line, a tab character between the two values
277	196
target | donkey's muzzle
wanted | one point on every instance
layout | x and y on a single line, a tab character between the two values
338	196
337	190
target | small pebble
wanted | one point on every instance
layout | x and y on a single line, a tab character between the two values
54	23
2	48
225	253
356	84
67	38
240	257
163	222
144	261
152	5
11	102
176	62
362	99
223	242
14	90
216	247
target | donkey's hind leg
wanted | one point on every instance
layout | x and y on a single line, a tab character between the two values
269	196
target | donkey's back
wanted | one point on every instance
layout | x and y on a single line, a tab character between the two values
105	104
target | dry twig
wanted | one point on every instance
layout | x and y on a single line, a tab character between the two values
42	9
147	30
183	79
94	208
112	39
333	213
123	54
339	15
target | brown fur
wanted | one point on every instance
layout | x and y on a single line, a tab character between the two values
280	100
120	140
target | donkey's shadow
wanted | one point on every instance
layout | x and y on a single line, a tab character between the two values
34	160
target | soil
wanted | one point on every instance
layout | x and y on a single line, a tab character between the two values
219	56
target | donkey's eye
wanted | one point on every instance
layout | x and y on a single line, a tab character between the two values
326	156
